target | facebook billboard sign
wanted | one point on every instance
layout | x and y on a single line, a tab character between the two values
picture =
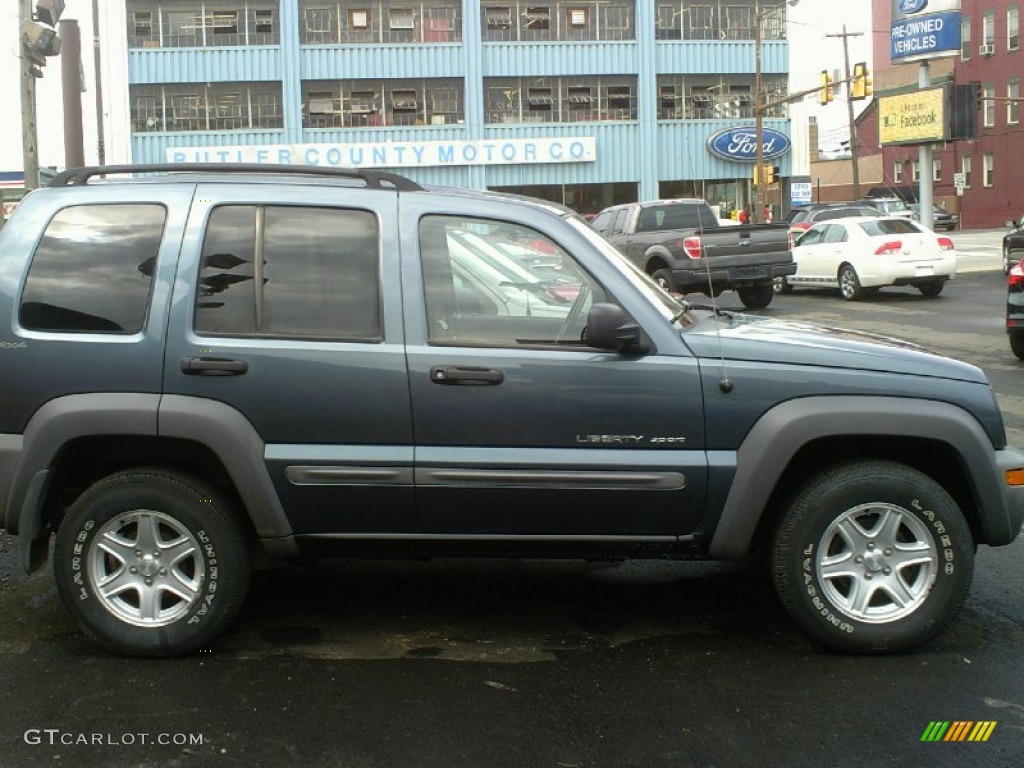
924	29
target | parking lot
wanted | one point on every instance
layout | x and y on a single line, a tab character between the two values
539	663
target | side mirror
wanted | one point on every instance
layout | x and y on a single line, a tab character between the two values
1011	225
608	327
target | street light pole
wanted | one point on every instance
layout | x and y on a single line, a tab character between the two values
29	135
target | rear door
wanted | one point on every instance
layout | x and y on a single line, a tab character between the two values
521	429
287	309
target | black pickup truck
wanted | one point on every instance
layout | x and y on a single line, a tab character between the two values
684	247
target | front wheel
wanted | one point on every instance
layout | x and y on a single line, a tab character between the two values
151	563
872	557
756	296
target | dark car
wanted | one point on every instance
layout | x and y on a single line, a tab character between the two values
802	219
941	218
1015	310
1013	244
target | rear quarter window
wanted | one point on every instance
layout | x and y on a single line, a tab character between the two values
93	270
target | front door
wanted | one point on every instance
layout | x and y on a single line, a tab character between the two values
522	430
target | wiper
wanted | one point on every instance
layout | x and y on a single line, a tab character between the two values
718	311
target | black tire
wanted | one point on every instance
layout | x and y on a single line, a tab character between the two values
849	284
663	277
195	573
756	296
1017	344
931	289
1006	259
781	285
821	572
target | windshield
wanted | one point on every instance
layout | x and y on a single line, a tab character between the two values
669	307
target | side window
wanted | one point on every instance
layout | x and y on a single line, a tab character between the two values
93	270
500	284
836	233
620	221
290	272
601	222
811	237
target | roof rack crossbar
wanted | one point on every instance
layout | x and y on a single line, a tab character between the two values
374	179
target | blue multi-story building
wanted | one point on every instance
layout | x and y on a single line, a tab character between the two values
587	102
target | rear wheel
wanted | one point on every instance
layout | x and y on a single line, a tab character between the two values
756	296
849	283
1017	344
872	556
151	562
663	277
933	288
781	285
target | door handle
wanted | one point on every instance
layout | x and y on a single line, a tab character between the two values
453	374
213	366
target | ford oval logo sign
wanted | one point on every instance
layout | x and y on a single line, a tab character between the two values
740	144
913	6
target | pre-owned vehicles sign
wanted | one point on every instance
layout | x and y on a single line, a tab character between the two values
924	29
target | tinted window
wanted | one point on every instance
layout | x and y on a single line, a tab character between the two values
890	227
676	216
318	275
93	270
602	221
477	295
620	221
835	233
811	237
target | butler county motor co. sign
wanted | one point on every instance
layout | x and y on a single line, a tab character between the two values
740	144
398	154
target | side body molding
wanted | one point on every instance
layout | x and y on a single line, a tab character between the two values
786	428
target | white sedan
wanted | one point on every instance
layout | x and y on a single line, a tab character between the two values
860	255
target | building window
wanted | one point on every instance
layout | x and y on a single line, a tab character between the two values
529	20
988	108
379	21
988	30
192	23
359	103
897	172
206	107
1012	28
915	171
965	169
559	99
965	40
936	170
988	170
1013	102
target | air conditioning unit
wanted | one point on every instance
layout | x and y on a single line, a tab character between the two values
987	49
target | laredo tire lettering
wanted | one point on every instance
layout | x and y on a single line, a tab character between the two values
163	506
837	561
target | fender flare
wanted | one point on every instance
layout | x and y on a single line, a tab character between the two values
221	428
781	432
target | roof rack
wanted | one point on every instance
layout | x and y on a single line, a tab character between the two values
374	179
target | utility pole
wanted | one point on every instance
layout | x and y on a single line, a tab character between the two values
100	148
755	215
849	109
29	134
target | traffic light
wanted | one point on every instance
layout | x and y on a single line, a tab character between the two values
828	91
765	174
38	37
860	87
